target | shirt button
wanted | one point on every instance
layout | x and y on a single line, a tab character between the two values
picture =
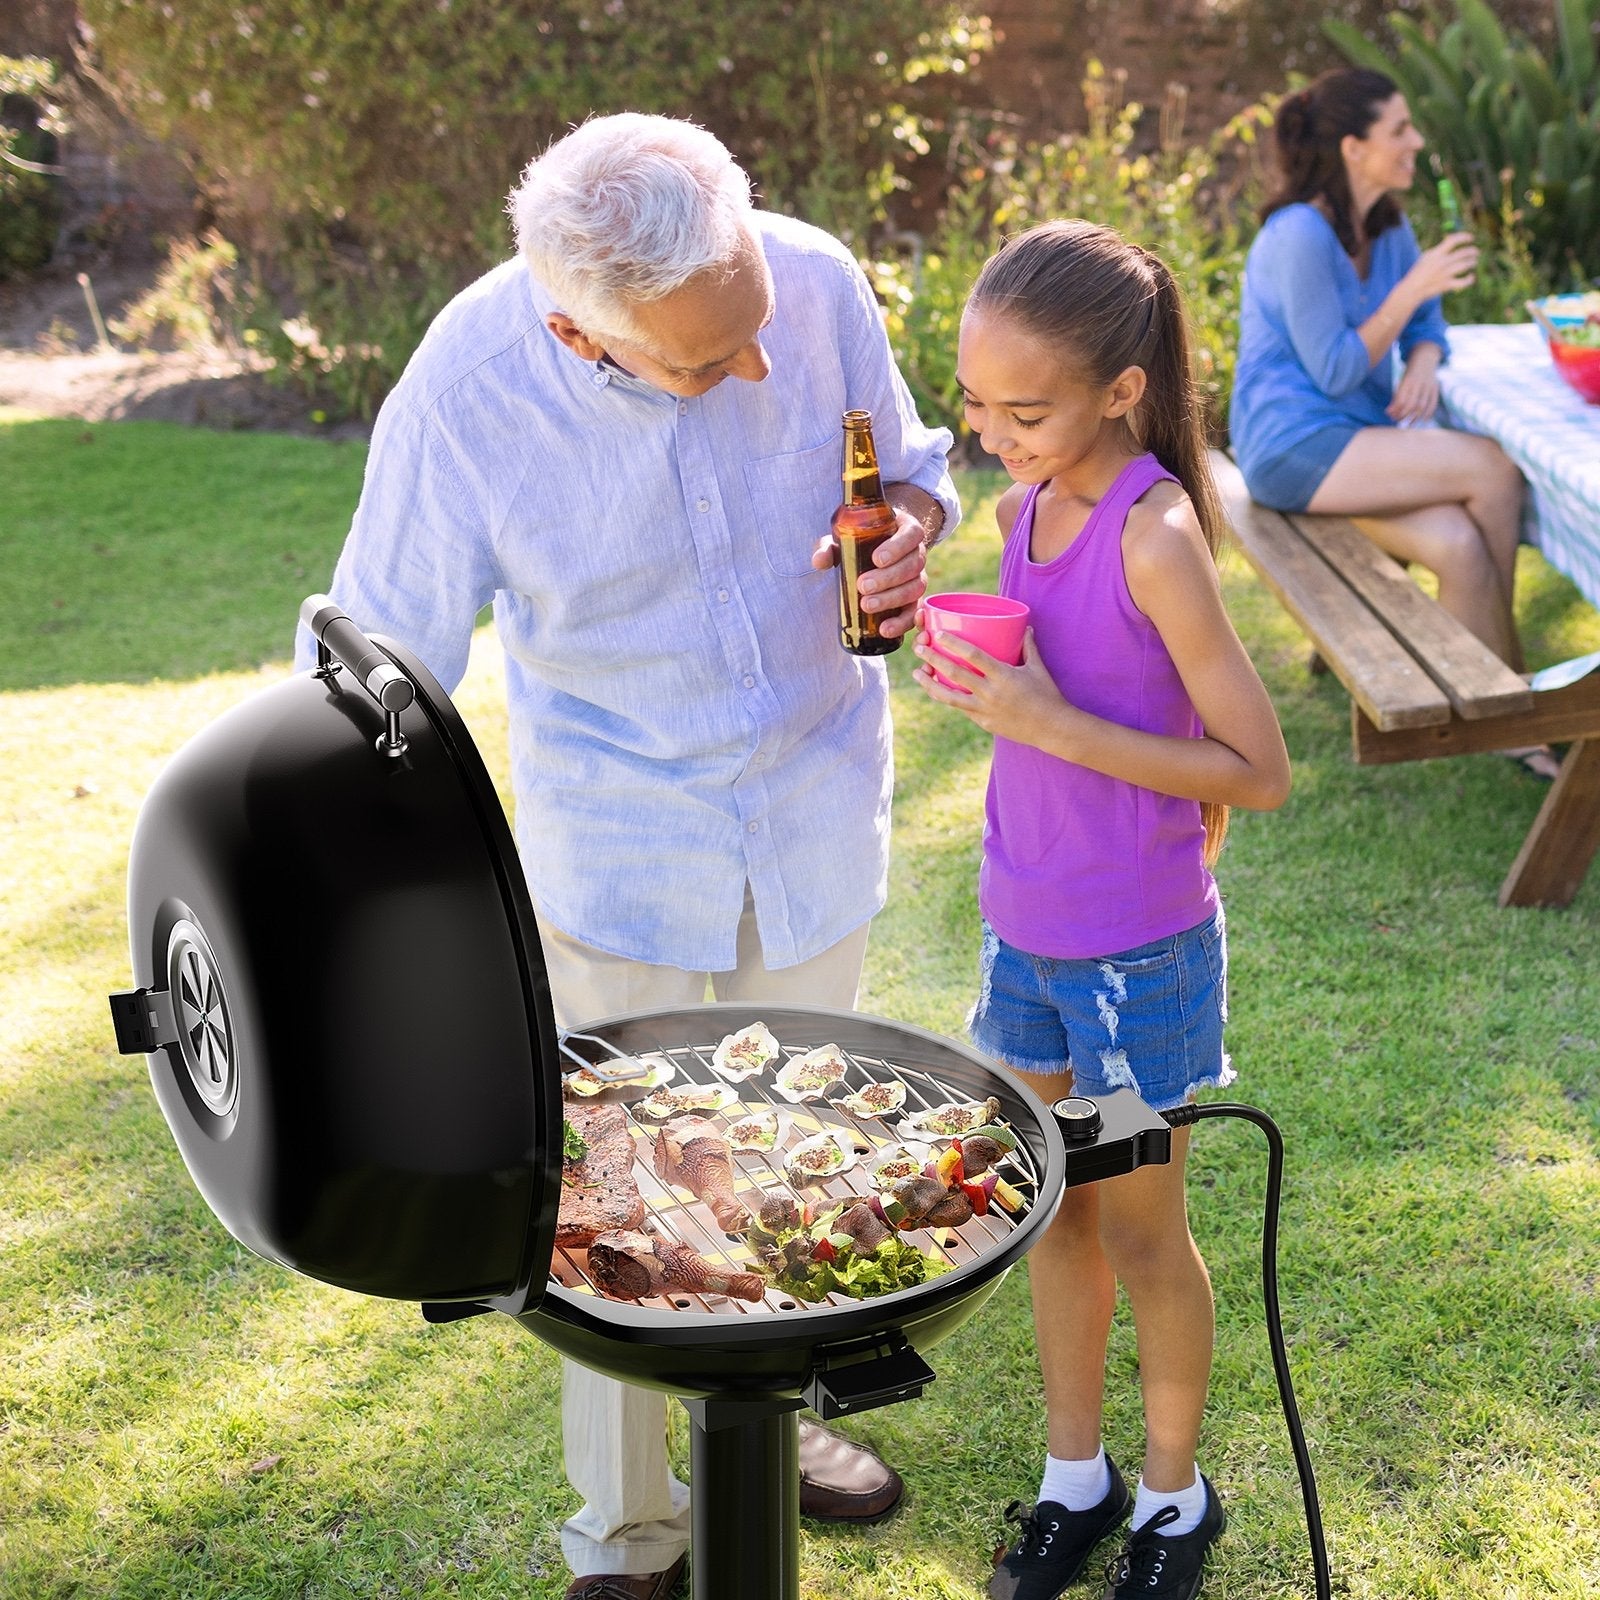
752	827
601	379
722	595
749	682
704	505
683	408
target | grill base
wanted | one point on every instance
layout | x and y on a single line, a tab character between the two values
744	1463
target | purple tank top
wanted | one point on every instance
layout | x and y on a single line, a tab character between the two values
1077	864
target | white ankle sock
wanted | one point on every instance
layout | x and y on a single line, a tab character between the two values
1077	1485
1191	1504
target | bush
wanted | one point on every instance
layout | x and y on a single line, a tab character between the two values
360	156
1518	135
1175	201
193	303
29	201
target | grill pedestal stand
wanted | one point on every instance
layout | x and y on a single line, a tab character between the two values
744	1463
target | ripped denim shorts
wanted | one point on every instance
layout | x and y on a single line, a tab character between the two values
1149	1019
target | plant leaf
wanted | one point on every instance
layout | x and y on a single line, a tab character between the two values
1360	50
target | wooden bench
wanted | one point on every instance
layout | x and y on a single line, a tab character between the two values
1420	685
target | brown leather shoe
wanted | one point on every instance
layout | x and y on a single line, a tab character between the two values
841	1481
627	1586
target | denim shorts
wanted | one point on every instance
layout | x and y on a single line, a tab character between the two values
1149	1019
1287	482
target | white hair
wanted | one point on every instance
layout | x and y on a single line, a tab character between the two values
626	209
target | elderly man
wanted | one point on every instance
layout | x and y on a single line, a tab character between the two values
702	775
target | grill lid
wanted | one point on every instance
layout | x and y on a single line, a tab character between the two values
341	990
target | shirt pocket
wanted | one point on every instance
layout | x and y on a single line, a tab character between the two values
793	498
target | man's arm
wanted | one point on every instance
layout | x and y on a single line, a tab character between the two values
918	503
416	564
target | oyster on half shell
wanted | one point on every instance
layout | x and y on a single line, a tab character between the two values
587	1082
810	1076
873	1100
703	1098
823	1155
745	1053
952	1119
761	1131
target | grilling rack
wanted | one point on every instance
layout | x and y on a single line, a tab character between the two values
758	1173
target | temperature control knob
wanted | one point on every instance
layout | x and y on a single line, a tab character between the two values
1079	1118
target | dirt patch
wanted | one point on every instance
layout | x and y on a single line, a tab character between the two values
208	391
53	364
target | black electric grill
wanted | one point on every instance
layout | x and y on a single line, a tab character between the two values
744	1370
344	1003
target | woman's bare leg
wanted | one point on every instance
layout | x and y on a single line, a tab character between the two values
1450	501
1445	540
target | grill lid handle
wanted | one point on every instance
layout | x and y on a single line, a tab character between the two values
341	643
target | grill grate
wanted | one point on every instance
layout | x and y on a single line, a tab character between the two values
677	1215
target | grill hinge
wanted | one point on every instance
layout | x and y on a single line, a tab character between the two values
861	1374
143	1019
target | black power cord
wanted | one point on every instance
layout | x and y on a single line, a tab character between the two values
1183	1117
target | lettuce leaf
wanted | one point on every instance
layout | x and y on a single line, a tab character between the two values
893	1265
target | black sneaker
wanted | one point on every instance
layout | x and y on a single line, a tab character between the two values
1054	1544
1160	1567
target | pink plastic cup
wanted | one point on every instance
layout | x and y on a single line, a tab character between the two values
994	624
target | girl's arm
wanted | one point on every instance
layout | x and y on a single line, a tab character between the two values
1240	760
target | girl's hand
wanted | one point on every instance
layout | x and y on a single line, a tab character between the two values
1450	264
1018	703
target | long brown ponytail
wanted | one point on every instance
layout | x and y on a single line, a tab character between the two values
1108	305
1308	130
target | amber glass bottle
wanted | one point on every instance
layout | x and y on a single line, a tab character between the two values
860	525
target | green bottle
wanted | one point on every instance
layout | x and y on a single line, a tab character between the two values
1450	217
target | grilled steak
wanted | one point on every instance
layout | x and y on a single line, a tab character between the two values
598	1192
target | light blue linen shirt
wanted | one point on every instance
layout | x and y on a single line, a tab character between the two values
1302	366
682	717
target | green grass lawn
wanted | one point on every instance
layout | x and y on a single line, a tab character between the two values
178	1418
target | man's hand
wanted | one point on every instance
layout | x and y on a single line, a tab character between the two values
898	581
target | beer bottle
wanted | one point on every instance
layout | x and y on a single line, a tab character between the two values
1450	217
860	525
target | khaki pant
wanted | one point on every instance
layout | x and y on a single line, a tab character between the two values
635	1517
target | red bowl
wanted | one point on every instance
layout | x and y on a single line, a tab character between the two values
1580	366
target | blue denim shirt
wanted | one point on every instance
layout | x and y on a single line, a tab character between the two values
682	716
1302	366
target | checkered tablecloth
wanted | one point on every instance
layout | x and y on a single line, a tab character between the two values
1499	381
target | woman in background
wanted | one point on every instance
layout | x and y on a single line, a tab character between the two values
1340	340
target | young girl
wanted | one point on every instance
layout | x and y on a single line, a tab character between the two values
1133	722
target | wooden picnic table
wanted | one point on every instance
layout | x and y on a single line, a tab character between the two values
1420	684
